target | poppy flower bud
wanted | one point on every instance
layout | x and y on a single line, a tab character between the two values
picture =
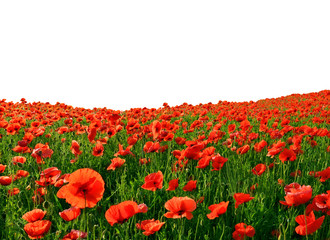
143	208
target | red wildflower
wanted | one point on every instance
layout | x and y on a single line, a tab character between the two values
131	140
75	234
98	150
155	128
217	210
321	202
297	195
194	151
180	140
173	184
153	181
275	149
259	169
295	173
325	174
5	180
260	145
85	188
121	212
150	226
243	149
75	148
218	162
143	208
34	215
204	162
190	186
37	229
116	163
2	168
124	152
308	224
151	147
242	230
92	134
70	214
18	159
144	160
21	173
180	207
241	198
287	155
231	127
13	191
49	176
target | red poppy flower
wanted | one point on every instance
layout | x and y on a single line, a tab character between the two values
144	161
153	181
204	162
217	210
173	184
218	162
143	208
18	159
260	145
297	196
180	140
243	149
150	226
92	134
242	230
321	202
155	128
34	215
254	186
194	151
131	140
287	155
75	234
324	174
295	173
124	152
231	127
308	224
24	143
70	214
98	150
180	207
41	151
116	163
259	169
85	188
37	229
151	147
13	191
21	173
275	149
49	176
75	148
121	212
242	198
291	186
2	168
6	180
190	186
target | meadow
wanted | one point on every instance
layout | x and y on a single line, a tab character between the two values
231	170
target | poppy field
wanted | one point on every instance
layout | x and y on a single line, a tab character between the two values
231	170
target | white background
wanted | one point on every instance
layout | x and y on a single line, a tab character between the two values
123	54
